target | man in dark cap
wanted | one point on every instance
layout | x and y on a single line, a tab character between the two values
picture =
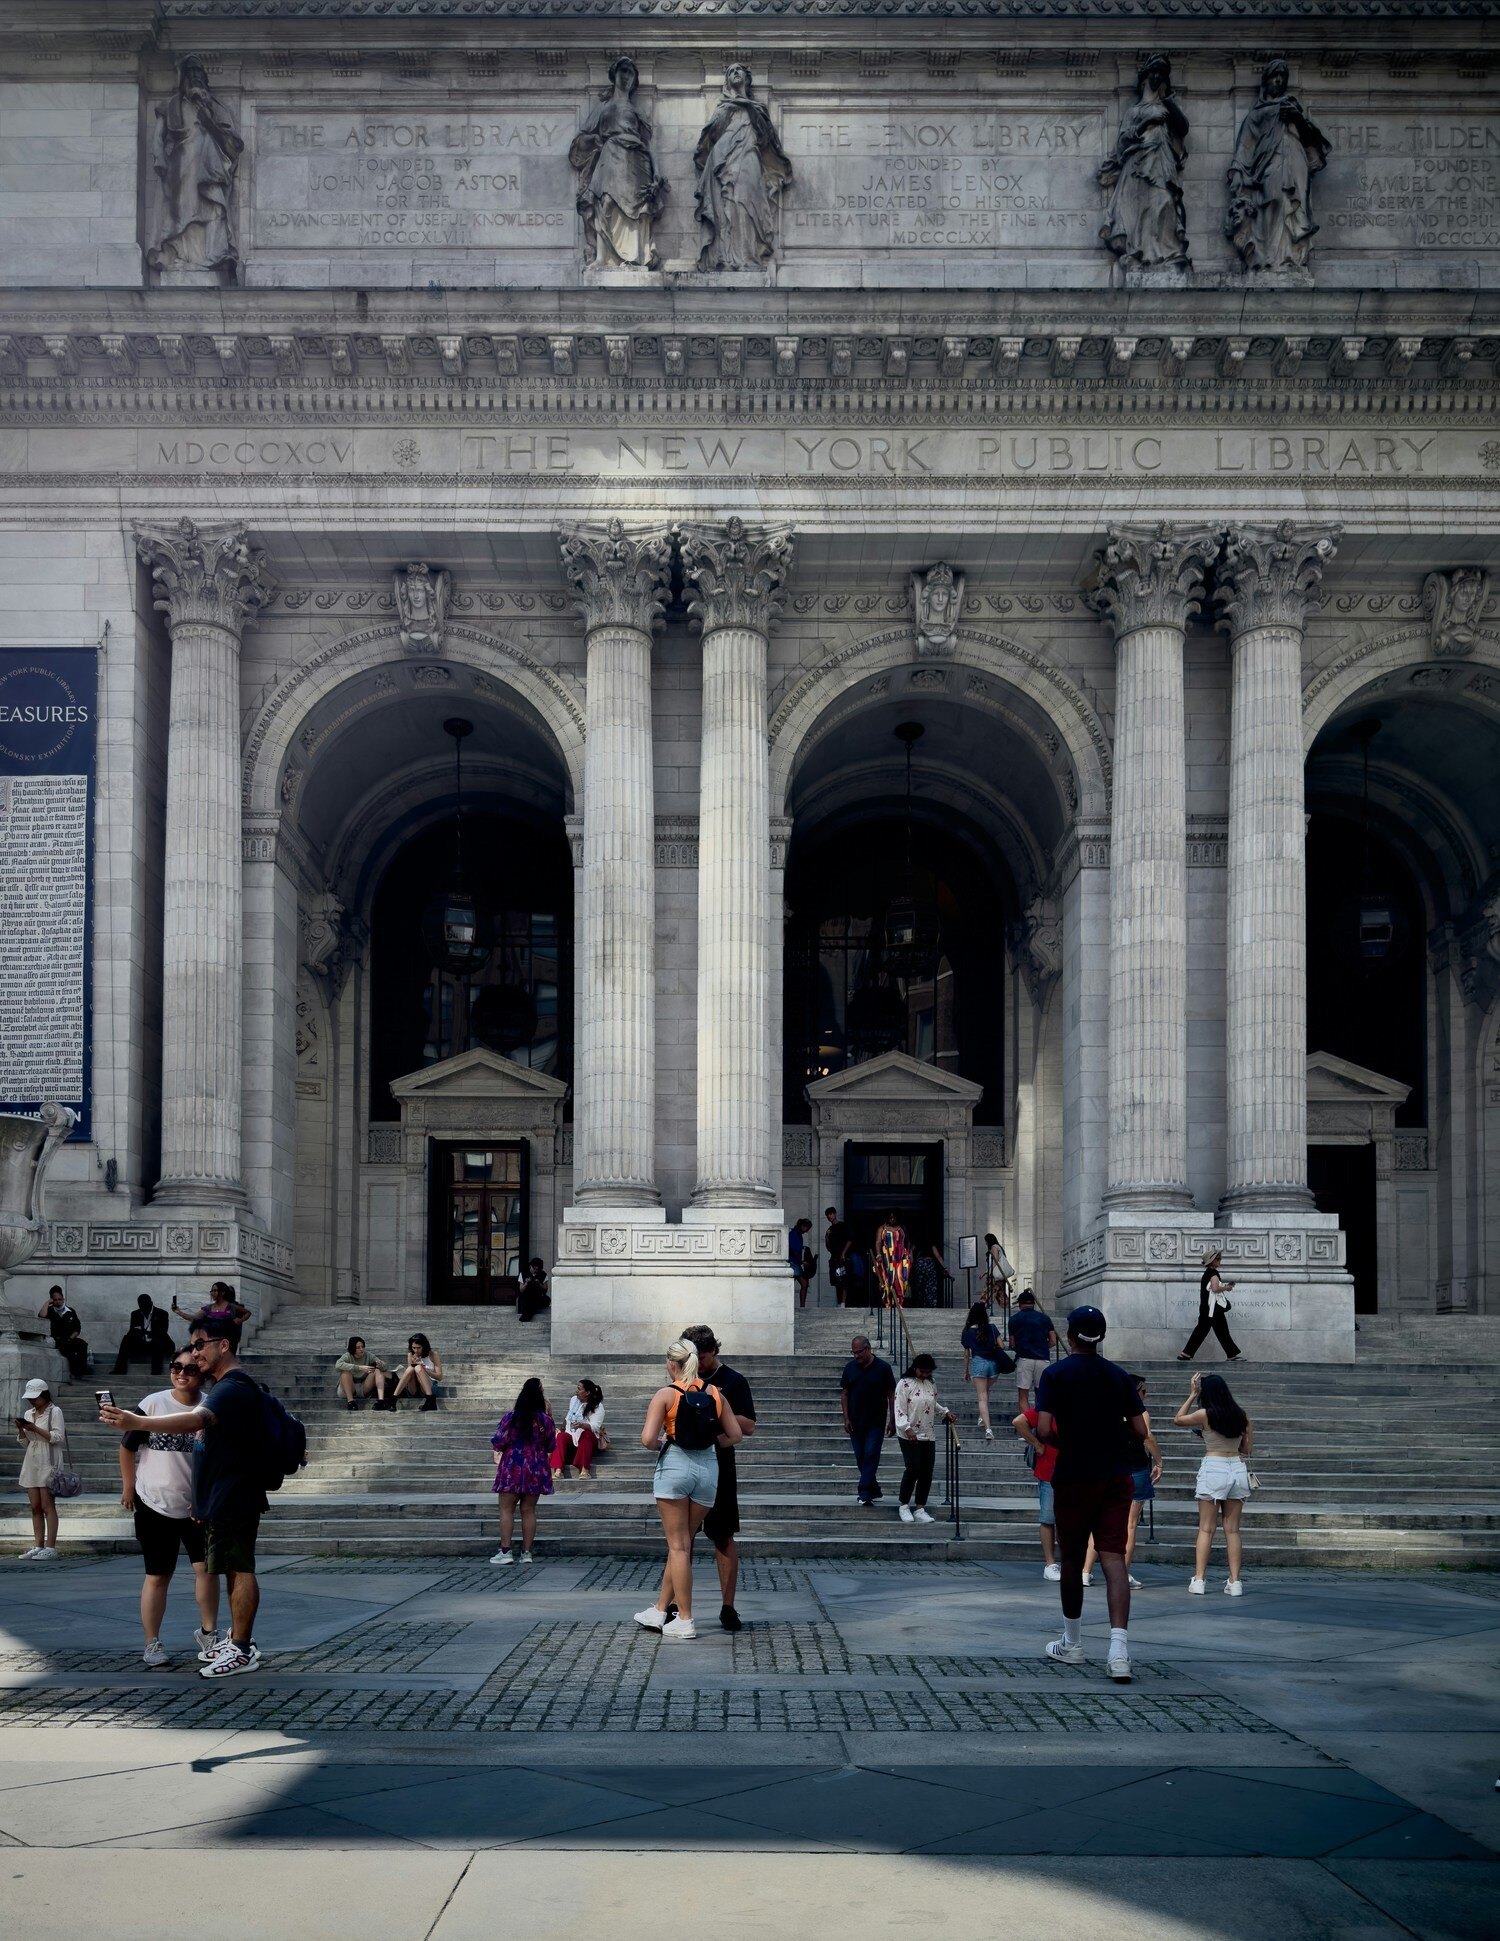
1089	1408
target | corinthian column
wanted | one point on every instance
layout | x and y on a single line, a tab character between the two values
1149	584
1263	582
208	582
738	578
619	582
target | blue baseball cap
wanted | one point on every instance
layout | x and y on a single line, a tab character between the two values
1087	1324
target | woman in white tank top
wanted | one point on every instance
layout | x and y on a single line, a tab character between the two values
1223	1486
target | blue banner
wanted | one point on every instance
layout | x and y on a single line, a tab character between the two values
49	738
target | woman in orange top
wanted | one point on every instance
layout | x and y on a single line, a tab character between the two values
686	1420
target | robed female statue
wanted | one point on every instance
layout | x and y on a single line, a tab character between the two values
619	191
197	154
1269	219
741	171
1144	224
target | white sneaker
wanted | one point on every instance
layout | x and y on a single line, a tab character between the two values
680	1628
503	1557
1135	1583
1234	1588
527	1558
905	1513
989	1435
1052	1573
1196	1588
1088	1582
46	1556
154	1656
207	1643
229	1661
1119	1667
651	1619
30	1556
1065	1653
921	1516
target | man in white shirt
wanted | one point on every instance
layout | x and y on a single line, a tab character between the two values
156	1482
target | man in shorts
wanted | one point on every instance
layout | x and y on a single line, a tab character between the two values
1032	1339
1089	1409
156	1482
721	1525
228	1499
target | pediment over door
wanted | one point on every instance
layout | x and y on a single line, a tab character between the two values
480	1093
894	1093
1348	1104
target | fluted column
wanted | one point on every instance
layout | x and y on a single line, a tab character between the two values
619	581
1264	578
1148	585
208	582
738	579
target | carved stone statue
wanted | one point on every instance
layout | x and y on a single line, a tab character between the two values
26	1149
1269	218
937	598
1144	224
1454	604
1036	946
197	155
741	171
620	193
421	606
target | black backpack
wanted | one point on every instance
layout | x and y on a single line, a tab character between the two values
697	1425
282	1450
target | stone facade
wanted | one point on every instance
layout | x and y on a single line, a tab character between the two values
685	399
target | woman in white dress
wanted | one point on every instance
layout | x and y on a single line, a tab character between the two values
42	1434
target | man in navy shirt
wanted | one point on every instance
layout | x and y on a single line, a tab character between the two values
867	1395
1090	1408
1032	1339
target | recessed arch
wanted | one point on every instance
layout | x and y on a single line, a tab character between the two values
1398	649
983	667
480	666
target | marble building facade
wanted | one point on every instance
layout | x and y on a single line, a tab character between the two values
687	399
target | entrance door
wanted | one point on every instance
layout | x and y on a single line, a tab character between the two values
904	1180
1342	1179
479	1223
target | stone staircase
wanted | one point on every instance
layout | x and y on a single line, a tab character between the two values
1381	1465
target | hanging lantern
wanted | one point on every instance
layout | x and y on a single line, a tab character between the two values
1377	921
458	932
910	930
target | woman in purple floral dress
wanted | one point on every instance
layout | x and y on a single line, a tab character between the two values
523	1445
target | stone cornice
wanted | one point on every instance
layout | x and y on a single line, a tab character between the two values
751	11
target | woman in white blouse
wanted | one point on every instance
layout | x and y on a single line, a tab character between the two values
917	1412
582	1434
41	1433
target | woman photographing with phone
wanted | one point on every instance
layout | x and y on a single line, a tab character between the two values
43	1435
1223	1486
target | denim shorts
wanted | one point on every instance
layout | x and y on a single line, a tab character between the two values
1044	1510
983	1367
690	1475
1145	1489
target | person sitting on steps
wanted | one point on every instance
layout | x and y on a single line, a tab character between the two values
423	1370
361	1373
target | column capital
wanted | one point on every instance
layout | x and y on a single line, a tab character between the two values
211	575
618	578
1149	576
739	573
1265	574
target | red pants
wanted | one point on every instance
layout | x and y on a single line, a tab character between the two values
562	1450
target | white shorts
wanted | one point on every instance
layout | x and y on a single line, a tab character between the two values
1223	1479
1028	1371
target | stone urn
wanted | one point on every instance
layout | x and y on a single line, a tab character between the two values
26	1149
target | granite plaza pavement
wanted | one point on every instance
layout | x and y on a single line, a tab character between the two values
881	1748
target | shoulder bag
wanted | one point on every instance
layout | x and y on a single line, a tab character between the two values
65	1480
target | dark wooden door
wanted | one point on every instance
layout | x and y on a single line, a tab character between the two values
904	1180
479	1222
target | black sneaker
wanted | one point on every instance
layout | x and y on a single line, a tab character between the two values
730	1618
430	1403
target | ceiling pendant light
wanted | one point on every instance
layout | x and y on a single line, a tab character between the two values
457	929
910	932
1377	922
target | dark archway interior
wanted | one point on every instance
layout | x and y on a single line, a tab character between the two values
521	1002
1370	1010
947	1009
